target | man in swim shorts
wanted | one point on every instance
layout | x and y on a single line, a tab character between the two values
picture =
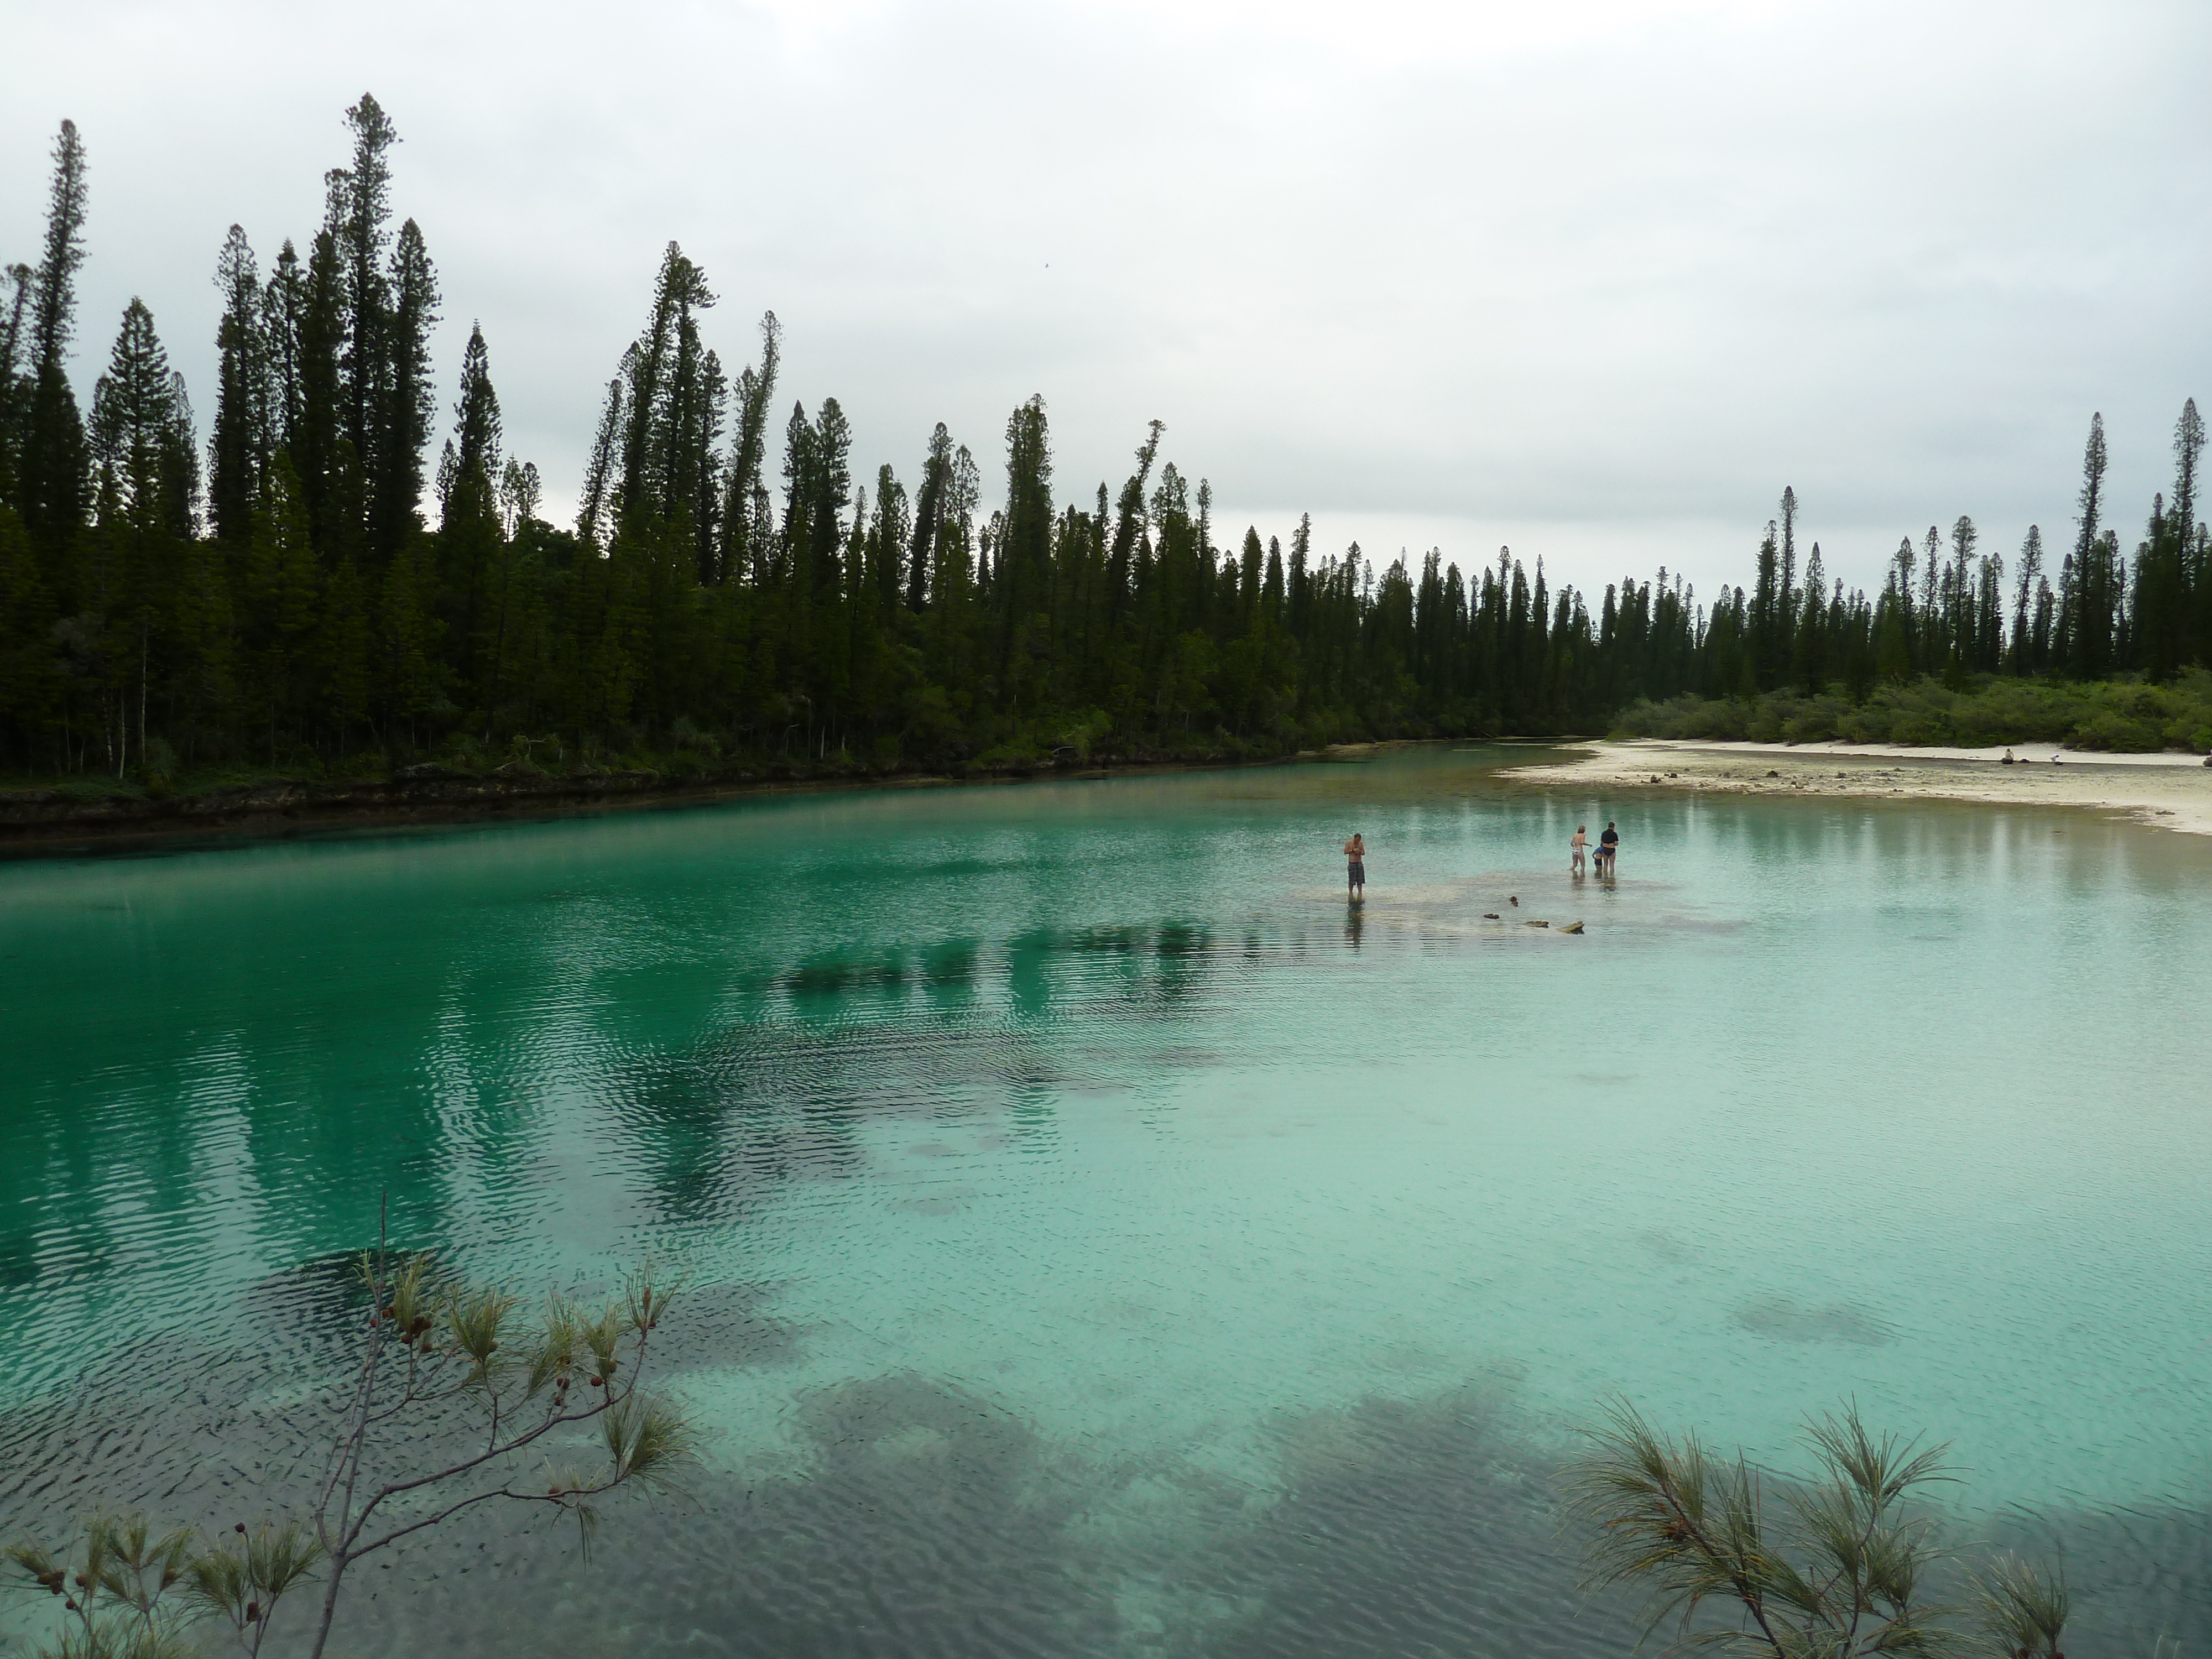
1355	867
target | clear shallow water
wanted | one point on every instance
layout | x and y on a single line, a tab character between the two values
1104	1240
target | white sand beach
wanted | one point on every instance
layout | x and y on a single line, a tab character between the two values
2170	791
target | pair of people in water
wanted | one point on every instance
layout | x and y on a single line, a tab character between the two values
1608	846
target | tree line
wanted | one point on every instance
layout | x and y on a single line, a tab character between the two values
307	588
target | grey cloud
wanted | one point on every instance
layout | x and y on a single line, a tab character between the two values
1596	287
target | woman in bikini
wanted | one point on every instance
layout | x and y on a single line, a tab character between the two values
1355	868
1576	847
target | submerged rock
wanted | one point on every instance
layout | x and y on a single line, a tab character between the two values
1572	927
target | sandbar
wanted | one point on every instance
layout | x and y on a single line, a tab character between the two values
2168	791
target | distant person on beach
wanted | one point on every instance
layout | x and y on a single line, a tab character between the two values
2009	760
1576	847
1608	846
1355	868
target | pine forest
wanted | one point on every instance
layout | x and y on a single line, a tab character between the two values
342	571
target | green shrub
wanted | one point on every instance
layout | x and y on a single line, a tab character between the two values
1687	717
2118	716
1815	720
2117	734
1869	722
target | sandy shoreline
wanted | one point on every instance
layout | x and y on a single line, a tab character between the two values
2171	792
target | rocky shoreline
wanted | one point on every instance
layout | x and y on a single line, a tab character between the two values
35	817
55	820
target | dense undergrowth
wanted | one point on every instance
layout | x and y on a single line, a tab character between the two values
683	757
2118	716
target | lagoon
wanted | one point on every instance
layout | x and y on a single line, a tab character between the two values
1103	1240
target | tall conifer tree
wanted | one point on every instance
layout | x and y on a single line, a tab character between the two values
473	451
931	503
1025	556
283	318
670	403
742	546
887	541
49	482
2023	615
596	503
15	384
146	480
2085	604
407	400
145	467
470	539
359	206
323	456
243	436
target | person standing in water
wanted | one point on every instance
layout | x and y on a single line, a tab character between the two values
1355	868
1608	848
1576	848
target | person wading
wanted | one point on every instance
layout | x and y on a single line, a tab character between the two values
1608	846
1355	869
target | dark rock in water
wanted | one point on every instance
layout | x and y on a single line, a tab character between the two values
1572	927
1490	915
1535	924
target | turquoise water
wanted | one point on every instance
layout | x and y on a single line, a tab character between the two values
1104	1240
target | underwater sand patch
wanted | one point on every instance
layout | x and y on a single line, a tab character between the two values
939	1204
1701	925
1667	1246
1779	1318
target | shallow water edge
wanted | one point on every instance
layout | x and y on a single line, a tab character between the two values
47	823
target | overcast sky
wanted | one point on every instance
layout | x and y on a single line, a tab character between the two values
1596	280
